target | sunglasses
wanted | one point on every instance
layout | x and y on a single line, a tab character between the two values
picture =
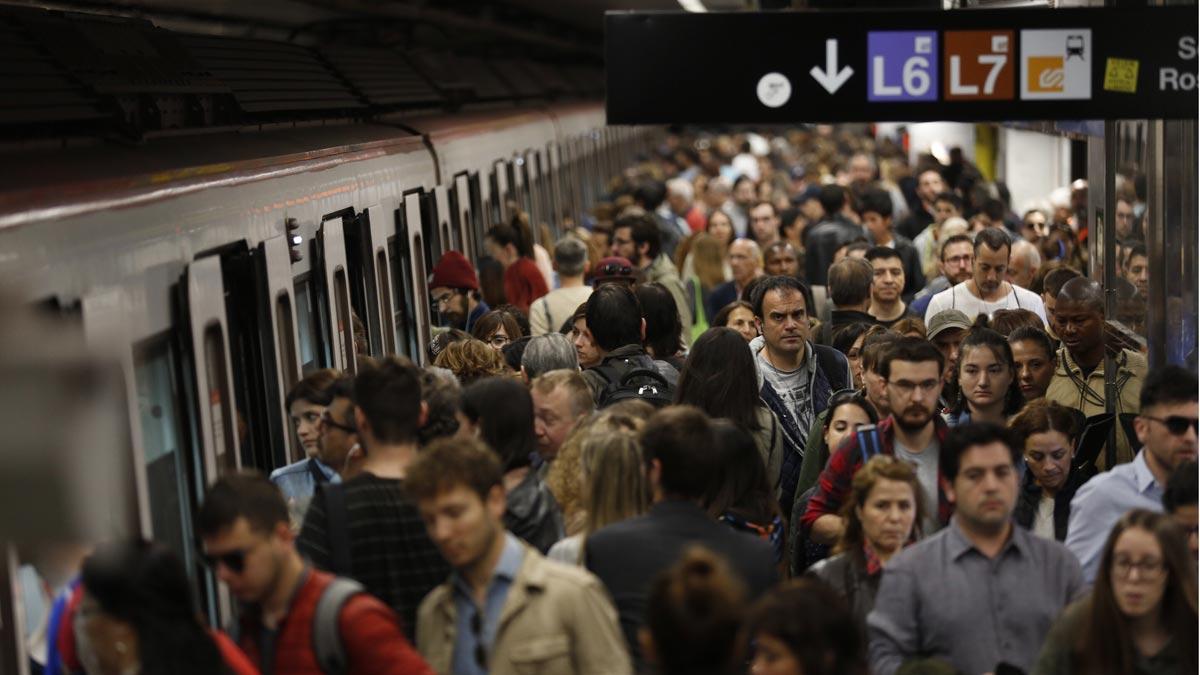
614	270
1176	424
477	631
234	561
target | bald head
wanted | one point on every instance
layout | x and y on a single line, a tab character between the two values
1084	292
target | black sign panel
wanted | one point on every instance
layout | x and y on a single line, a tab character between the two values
962	65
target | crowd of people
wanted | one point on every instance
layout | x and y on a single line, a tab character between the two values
783	406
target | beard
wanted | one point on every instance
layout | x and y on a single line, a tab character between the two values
913	418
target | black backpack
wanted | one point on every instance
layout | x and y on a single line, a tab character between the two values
645	384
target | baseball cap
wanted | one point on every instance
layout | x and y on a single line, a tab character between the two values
613	268
945	320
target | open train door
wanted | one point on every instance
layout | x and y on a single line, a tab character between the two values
337	332
279	306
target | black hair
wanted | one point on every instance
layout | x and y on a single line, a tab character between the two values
681	438
389	396
815	624
876	201
314	388
145	585
912	350
1182	487
842	398
642	230
788	217
850	282
1055	279
832	198
514	352
845	336
740	482
663	327
614	317
964	437
503	409
650	194
995	210
1033	334
246	495
778	282
994	238
883	253
719	378
950	197
1166	385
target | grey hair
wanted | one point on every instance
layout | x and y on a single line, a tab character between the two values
681	187
544	353
1022	247
570	255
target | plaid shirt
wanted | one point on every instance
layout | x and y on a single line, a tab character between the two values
833	487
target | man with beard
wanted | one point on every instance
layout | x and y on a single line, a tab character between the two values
887	304
914	432
987	291
454	292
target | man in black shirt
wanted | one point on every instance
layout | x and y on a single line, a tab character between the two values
368	528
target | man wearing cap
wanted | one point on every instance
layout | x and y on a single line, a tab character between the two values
454	292
746	262
548	313
946	331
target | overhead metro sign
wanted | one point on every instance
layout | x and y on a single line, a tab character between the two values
830	66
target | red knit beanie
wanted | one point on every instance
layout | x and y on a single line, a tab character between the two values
453	271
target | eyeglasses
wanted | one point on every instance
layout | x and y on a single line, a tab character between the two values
444	299
906	387
499	340
1149	569
327	420
958	260
1176	424
477	631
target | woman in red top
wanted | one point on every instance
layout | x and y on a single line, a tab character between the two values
511	244
137	615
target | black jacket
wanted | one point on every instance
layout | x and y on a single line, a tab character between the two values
847	575
1031	495
628	556
533	513
839	318
822	241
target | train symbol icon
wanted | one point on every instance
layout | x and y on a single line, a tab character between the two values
1075	47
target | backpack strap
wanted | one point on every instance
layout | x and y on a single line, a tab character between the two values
337	521
326	634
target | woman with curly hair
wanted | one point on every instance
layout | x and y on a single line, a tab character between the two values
471	360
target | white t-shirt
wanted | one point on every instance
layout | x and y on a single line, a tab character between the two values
1043	520
926	464
958	297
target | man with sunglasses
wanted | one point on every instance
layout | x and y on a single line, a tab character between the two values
1166	428
914	432
505	609
454	292
243	526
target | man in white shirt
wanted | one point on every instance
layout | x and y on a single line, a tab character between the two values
987	291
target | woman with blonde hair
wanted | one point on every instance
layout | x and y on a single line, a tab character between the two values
884	509
471	360
613	482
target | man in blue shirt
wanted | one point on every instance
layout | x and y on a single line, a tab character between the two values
1166	429
505	608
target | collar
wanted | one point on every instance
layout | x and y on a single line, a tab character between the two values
624	352
677	507
840	316
506	567
958	545
874	566
1142	477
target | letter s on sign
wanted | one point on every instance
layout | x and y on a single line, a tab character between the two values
1187	47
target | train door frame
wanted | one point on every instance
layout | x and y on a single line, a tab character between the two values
478	215
371	299
554	180
279	310
460	202
337	327
411	212
13	651
448	233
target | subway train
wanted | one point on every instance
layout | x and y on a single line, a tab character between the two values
218	268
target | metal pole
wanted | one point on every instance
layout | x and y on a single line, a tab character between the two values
1107	232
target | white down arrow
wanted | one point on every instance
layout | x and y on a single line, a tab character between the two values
831	78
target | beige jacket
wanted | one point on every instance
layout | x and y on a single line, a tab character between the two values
1071	388
557	619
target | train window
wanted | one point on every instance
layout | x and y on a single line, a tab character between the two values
224	422
309	357
344	334
385	301
286	349
166	458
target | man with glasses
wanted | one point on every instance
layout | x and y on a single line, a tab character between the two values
955	264
243	526
368	528
339	444
504	608
914	432
1166	428
982	593
454	292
